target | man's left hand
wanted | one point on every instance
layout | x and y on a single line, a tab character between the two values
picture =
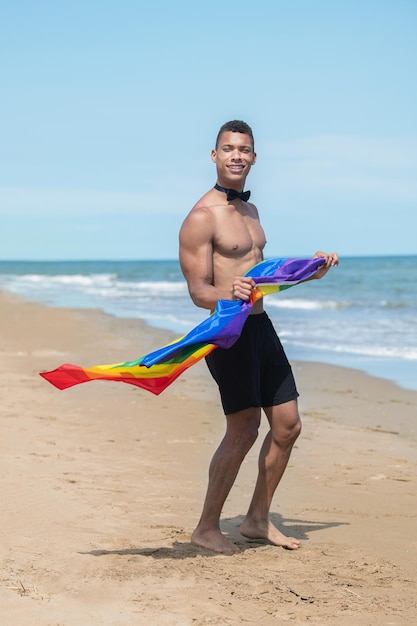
331	260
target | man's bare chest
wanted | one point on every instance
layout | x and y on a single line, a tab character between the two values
236	235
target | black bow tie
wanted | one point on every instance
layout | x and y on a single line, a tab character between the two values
232	194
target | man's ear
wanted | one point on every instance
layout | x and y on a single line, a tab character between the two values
254	158
213	155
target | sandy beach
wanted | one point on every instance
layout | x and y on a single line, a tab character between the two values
103	484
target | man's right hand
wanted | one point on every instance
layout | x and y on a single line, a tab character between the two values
242	288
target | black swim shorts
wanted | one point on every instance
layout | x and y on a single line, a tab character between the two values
255	371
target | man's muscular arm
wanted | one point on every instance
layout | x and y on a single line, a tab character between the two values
196	259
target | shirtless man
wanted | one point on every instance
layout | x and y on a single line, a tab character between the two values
220	239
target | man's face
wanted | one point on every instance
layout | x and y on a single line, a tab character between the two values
234	156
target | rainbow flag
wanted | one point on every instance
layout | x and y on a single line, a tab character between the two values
157	370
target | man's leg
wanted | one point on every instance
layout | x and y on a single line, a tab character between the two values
285	426
241	433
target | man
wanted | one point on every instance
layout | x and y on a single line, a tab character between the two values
220	239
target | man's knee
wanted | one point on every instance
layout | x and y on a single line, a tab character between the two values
285	436
285	424
246	437
296	429
250	435
243	428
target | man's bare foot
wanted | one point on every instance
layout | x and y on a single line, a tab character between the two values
267	532
214	540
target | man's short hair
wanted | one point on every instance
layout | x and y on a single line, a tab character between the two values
236	126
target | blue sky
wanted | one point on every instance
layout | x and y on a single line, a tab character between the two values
110	109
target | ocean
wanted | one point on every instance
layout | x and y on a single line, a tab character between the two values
363	314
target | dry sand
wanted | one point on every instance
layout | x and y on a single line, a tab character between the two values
102	485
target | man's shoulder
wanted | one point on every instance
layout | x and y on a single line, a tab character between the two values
208	201
208	206
205	214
